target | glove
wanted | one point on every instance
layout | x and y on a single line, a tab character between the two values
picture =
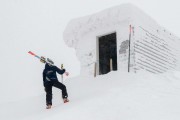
66	73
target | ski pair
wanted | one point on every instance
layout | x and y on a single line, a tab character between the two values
42	59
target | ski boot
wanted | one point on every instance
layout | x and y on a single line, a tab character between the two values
48	106
65	100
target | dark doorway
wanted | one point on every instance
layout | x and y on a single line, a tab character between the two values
107	53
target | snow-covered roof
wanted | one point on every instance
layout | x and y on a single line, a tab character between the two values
80	26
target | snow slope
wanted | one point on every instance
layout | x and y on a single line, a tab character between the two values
115	96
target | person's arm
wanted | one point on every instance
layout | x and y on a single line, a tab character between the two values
60	71
44	78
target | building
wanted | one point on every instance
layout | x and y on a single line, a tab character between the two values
122	38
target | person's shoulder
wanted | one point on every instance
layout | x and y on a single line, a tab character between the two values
53	67
46	65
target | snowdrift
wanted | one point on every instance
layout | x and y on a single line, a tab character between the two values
115	96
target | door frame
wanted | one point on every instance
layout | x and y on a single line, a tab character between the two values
97	49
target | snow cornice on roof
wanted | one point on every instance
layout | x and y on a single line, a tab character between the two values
111	16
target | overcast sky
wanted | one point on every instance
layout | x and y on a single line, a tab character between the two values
38	25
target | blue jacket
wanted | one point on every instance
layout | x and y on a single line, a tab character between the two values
49	73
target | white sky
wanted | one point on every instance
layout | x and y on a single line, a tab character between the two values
38	25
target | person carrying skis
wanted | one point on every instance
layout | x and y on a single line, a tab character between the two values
50	79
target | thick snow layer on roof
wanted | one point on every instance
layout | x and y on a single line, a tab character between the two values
82	34
112	16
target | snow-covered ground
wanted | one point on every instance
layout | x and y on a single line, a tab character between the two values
38	26
114	96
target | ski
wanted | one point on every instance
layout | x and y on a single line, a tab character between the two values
42	59
34	54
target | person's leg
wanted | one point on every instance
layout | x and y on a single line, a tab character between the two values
48	89
61	86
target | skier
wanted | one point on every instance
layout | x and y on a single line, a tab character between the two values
50	79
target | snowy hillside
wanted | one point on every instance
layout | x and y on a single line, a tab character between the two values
115	96
38	26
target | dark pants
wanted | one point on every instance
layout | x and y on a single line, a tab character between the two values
48	89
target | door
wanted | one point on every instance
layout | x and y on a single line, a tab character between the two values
107	53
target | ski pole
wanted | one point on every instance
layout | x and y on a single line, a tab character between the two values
62	74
